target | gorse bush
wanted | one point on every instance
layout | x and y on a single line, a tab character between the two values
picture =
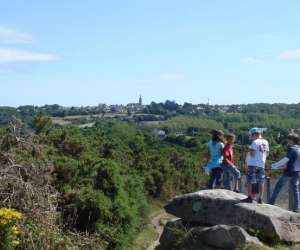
9	232
108	204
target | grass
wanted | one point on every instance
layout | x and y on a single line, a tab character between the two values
287	247
145	238
149	233
275	247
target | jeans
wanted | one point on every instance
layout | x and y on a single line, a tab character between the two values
255	174
215	178
294	183
229	171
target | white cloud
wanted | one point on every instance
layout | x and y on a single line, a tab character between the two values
250	60
16	55
172	77
12	36
290	54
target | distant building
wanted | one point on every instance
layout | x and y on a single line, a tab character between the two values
135	107
159	133
117	108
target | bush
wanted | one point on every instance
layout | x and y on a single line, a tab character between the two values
8	228
112	205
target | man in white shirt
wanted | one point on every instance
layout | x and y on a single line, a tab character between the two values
256	160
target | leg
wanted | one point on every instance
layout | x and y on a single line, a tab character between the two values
249	189
211	180
250	176
226	179
294	182
236	176
250	179
219	173
261	187
280	183
261	181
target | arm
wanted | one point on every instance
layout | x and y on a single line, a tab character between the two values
252	149
226	160
280	163
206	154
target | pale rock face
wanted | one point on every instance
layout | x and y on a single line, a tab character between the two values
223	207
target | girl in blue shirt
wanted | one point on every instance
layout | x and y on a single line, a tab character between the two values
215	146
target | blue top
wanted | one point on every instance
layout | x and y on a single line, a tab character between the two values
216	157
293	165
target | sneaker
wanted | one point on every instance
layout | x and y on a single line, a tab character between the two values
236	191
247	200
260	201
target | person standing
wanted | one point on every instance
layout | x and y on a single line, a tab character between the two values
291	173
256	160
228	166
215	146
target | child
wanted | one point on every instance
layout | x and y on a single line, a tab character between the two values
291	172
215	146
229	169
256	161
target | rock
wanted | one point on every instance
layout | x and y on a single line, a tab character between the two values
214	207
171	233
179	235
225	237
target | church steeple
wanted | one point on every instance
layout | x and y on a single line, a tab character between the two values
140	101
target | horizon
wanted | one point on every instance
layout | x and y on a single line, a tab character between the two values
79	54
145	104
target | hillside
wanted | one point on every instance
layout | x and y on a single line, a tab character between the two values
89	187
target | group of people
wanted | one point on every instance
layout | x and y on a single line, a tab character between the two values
222	169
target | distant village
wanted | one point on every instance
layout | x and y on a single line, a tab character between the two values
166	108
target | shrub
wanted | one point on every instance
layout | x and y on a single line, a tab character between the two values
8	228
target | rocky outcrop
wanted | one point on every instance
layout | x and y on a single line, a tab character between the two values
223	236
179	235
223	207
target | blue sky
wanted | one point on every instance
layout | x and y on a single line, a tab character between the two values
90	52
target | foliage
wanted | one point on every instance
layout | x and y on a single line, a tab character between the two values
77	187
9	232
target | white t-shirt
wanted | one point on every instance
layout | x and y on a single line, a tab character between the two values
261	150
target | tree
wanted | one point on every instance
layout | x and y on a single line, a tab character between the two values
41	123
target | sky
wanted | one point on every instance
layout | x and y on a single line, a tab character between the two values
93	51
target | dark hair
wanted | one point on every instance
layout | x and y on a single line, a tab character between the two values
217	136
294	138
229	136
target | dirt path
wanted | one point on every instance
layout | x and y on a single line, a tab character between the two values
156	222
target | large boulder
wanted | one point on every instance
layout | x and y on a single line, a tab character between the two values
224	237
215	207
179	235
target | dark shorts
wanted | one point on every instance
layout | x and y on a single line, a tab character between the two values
255	174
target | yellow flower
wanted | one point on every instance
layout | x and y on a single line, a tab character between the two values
8	219
14	230
7	214
15	242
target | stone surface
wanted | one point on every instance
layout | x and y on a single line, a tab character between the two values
171	233
223	236
178	235
215	207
